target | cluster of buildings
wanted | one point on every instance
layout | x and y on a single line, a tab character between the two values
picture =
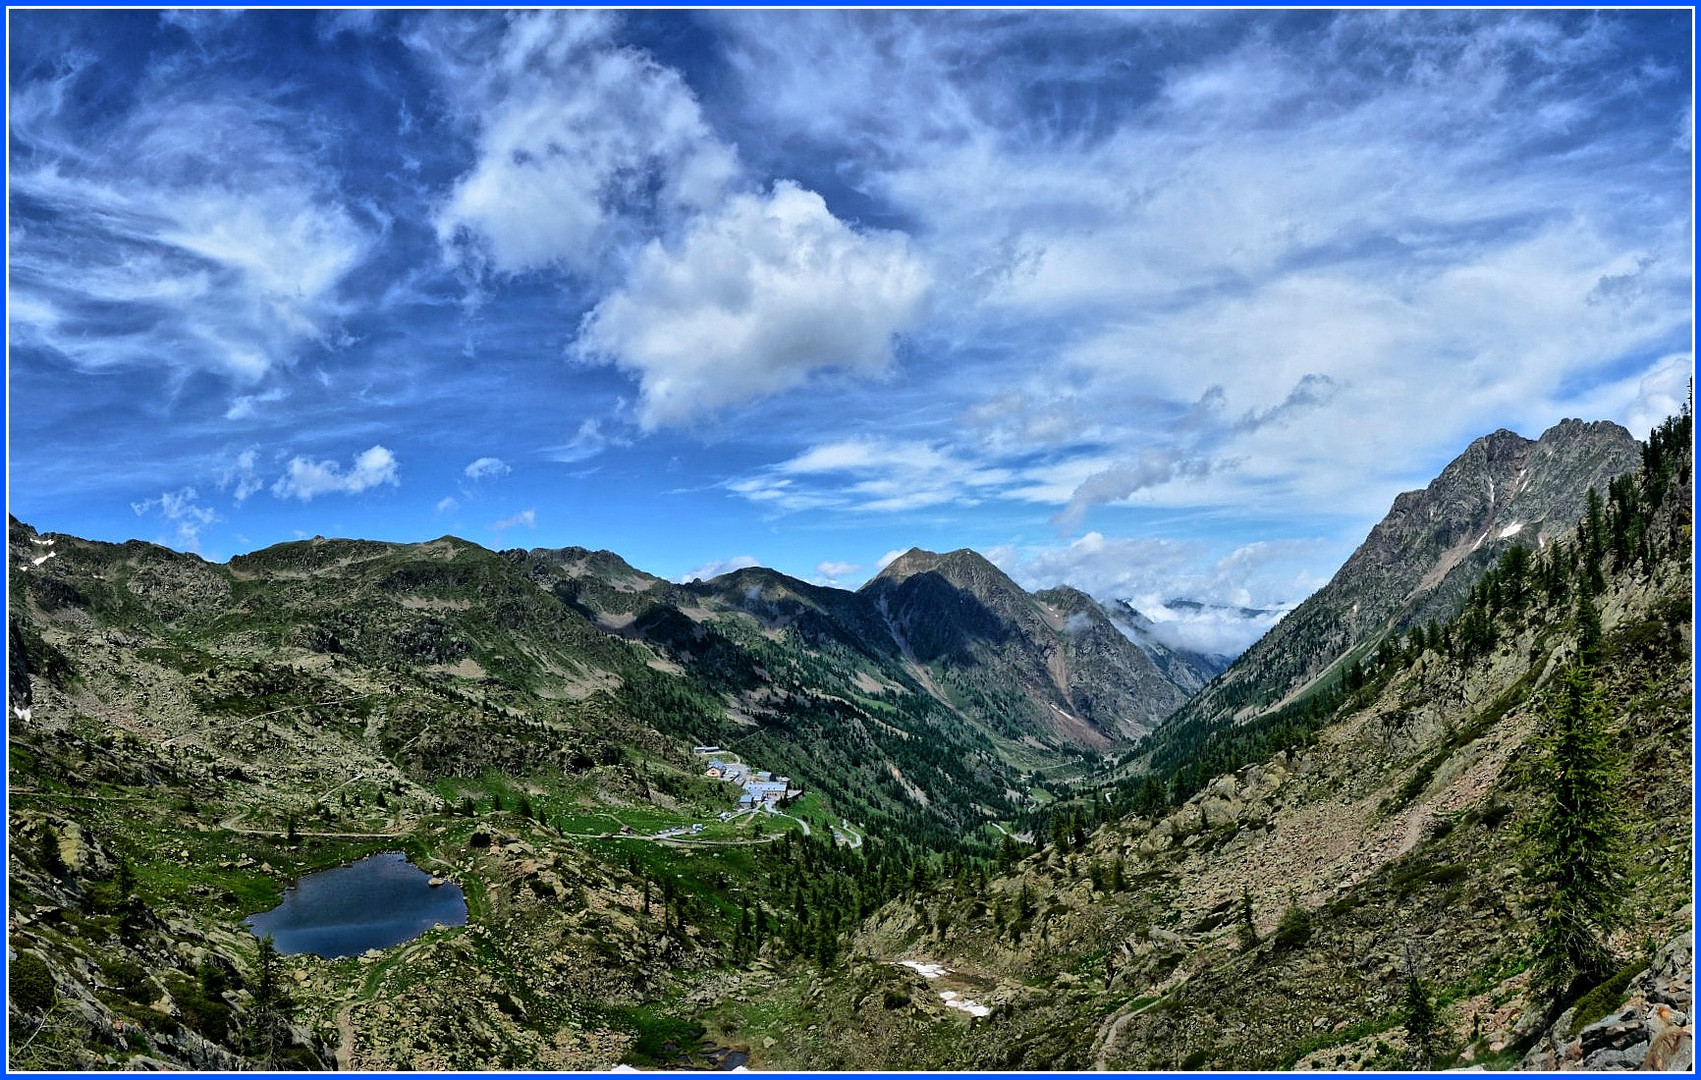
761	788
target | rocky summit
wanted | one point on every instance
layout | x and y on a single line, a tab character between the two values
1439	817
1420	560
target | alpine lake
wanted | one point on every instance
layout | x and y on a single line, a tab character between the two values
380	901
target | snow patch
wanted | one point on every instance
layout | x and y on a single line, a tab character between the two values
955	1001
1511	530
925	970
41	559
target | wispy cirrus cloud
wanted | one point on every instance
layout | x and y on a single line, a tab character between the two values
181	509
716	567
876	475
525	518
200	233
1242	214
591	439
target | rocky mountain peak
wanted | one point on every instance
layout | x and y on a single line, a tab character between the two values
1433	545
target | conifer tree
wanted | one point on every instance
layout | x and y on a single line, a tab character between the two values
1244	928
1578	861
1423	1027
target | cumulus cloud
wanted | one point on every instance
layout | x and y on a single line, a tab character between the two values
755	298
1196	596
716	568
889	558
836	574
1199	628
572	132
486	468
180	508
306	478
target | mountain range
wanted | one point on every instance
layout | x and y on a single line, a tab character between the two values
975	759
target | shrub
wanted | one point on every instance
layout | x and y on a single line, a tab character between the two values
1600	1001
1294	928
30	983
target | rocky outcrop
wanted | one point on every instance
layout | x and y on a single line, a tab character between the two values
1652	1030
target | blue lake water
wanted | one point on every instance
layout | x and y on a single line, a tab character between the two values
377	902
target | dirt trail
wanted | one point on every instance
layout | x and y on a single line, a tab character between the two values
345	1044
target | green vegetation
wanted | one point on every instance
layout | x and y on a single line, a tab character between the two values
1603	999
1578	859
1294	927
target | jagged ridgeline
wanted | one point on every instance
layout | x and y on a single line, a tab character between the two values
1501	500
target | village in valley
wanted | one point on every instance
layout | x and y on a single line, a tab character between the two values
761	789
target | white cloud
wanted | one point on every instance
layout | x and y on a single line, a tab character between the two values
198	233
446	504
246	406
716	568
875	475
486	468
1220	631
306	478
1122	480
589	441
571	132
528	518
832	572
241	474
753	300
1196	598
1249	217
180	508
889	558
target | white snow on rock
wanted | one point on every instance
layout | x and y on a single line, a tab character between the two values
955	1001
42	559
951	998
1511	530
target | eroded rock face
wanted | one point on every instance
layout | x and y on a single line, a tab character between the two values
1651	1031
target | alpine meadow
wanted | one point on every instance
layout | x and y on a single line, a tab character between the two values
850	540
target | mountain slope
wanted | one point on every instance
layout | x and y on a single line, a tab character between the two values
1422	558
1047	669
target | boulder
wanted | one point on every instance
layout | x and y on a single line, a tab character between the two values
1216	811
1650	1030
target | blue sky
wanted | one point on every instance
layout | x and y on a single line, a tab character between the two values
1160	304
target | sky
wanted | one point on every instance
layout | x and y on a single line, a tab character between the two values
1160	304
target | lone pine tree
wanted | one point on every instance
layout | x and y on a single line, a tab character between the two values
1578	861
